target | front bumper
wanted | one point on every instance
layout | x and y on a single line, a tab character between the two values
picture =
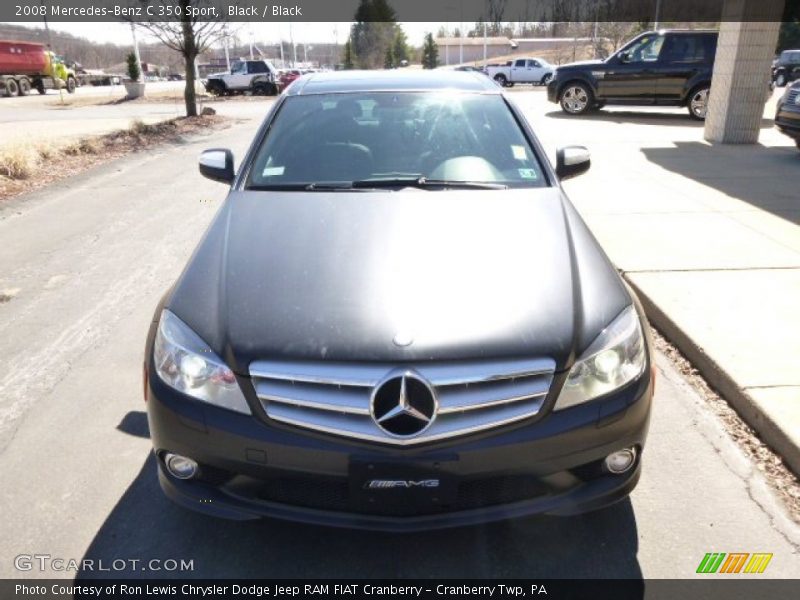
552	90
252	468
787	120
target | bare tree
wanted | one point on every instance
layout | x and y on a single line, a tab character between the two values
190	37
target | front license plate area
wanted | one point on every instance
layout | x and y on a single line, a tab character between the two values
400	487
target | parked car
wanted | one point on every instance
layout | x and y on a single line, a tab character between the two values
254	76
786	68
288	76
397	320
536	71
665	68
787	116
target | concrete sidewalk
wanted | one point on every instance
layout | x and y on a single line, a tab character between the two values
710	238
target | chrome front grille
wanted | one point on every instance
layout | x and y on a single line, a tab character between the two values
335	397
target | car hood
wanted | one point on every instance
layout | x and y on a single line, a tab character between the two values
336	276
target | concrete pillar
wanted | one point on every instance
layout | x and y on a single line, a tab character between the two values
747	39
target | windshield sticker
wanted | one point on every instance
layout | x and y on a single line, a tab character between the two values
519	152
272	171
528	173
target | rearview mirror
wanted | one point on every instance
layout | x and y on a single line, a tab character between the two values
572	161
217	165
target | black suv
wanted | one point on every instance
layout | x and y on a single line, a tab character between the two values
786	67
665	68
787	116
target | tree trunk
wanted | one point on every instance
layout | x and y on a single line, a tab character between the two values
189	56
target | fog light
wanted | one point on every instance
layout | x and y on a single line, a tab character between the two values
180	466
621	460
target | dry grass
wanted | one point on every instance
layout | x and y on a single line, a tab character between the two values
19	161
26	166
117	95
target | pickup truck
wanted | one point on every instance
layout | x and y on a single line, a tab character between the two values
536	71
255	76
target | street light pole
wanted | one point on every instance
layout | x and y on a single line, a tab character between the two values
461	34
658	15
227	54
484	43
294	48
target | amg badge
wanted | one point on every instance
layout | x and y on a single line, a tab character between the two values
385	484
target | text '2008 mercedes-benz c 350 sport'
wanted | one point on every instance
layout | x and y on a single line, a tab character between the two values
397	321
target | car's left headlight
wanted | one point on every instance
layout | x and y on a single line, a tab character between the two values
185	362
616	357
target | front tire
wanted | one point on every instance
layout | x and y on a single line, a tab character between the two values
576	99
698	103
71	85
501	80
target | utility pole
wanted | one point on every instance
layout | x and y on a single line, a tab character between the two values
658	15
51	56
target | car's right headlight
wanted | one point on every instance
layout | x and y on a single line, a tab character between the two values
185	362
616	357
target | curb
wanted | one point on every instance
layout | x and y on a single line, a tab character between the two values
768	428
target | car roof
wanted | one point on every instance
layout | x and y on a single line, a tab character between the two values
391	81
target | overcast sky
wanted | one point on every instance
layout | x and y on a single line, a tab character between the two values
119	33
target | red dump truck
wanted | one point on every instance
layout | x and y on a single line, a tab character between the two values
26	65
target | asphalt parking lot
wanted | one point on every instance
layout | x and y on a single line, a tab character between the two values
83	267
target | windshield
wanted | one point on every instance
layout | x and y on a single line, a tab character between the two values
390	136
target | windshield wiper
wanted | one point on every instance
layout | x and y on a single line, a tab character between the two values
424	182
363	185
325	186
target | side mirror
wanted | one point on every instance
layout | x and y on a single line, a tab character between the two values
572	161
624	57
217	165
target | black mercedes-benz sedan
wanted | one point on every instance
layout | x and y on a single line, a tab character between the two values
398	321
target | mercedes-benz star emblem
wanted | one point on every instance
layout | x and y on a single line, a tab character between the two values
403	338
403	405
